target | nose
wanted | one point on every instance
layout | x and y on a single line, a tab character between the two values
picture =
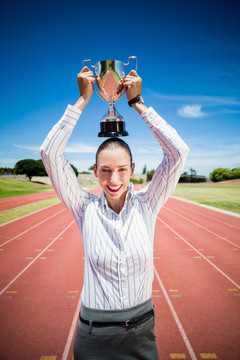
114	178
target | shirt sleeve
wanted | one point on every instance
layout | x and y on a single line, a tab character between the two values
169	171
59	170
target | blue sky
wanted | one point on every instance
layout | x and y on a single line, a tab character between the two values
188	57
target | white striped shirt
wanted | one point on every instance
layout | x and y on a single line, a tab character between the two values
118	271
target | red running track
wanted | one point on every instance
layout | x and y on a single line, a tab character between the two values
15	201
196	288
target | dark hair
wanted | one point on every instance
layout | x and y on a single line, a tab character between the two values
114	143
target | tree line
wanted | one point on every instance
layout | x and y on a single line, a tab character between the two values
219	174
30	168
222	174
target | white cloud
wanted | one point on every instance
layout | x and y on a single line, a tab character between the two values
146	150
203	99
204	159
82	165
218	153
214	104
80	148
191	111
71	148
27	147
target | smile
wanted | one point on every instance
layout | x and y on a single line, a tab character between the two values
114	188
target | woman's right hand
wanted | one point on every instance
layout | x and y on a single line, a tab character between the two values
85	83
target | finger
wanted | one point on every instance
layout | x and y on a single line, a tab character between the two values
128	83
127	87
92	83
85	68
90	76
133	73
87	72
86	75
131	78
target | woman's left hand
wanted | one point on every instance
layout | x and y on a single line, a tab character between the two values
132	85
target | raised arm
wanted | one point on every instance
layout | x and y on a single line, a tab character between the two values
85	84
59	170
174	148
169	171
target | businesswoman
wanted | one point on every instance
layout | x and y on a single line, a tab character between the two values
117	229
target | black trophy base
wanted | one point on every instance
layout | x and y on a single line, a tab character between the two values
112	129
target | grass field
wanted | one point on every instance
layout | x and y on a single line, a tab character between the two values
9	188
223	195
15	213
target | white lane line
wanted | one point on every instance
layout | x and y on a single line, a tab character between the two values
31	213
204	257
33	261
204	228
176	318
207	216
225	212
24	232
71	332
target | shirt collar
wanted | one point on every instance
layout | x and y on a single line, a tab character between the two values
129	196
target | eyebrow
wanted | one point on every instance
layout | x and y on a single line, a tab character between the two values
119	166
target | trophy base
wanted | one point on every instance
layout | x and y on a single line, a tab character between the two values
112	128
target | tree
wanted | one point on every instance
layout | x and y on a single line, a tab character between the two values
6	171
144	171
192	173
28	167
236	173
222	174
150	175
74	169
40	169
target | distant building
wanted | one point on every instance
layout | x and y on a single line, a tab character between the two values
186	178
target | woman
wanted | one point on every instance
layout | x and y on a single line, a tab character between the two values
117	228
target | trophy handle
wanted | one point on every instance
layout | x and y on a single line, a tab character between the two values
93	66
132	57
88	60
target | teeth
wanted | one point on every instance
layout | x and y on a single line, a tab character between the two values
114	187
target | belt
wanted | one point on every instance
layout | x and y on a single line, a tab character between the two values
126	323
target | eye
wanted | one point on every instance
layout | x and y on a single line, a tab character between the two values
123	169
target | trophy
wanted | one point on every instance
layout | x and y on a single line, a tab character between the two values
109	76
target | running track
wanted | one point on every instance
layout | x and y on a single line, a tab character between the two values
15	201
196	288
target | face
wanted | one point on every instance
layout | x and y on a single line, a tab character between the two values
113	171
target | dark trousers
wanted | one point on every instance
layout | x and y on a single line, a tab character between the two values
135	342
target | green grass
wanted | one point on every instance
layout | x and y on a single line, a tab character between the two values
15	213
9	188
224	195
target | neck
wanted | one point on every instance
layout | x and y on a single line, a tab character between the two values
116	205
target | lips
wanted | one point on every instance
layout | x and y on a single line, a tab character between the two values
114	189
